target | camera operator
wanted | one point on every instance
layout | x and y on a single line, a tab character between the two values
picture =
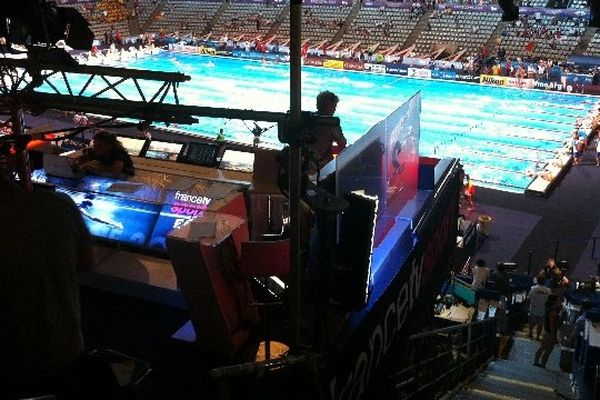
321	149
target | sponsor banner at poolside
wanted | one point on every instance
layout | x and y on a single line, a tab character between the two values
578	79
254	55
498	80
378	68
467	77
443	74
334	64
354	65
419	73
396	69
314	61
549	85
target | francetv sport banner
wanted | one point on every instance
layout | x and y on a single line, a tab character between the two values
384	162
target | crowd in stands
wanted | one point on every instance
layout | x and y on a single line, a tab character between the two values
529	47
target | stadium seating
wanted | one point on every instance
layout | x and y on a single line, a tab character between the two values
594	46
466	29
517	42
318	22
104	16
388	27
579	4
184	17
240	18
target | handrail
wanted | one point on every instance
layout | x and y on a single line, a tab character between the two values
438	360
447	329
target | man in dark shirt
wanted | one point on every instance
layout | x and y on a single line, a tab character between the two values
108	156
502	281
321	148
44	245
551	327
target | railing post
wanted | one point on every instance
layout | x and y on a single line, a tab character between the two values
530	254
556	250
469	337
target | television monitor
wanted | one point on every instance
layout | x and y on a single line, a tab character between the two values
115	218
235	160
163	150
133	146
199	153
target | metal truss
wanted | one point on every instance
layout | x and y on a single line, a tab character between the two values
100	93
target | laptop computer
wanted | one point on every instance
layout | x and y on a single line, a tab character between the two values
62	165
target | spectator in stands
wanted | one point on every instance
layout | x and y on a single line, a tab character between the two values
481	274
538	295
552	314
321	150
107	156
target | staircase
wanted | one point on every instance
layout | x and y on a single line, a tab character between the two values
585	40
216	18
285	13
516	378
420	27
145	25
353	13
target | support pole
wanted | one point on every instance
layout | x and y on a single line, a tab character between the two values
530	254
556	250
295	168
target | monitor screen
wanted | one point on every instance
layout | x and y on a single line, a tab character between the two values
201	153
132	145
163	150
237	160
115	218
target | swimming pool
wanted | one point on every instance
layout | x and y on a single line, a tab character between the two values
498	133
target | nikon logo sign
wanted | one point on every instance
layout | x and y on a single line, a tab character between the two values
494	80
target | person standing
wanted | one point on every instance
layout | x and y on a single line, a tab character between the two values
321	149
481	274
538	295
469	192
552	314
44	245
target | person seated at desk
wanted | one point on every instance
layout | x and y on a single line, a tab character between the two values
107	156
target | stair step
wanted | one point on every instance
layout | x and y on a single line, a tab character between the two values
468	395
502	388
489	395
528	373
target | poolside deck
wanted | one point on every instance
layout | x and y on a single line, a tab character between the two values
523	223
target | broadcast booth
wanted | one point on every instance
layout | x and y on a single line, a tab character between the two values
217	216
375	232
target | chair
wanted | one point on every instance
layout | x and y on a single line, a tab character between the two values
262	259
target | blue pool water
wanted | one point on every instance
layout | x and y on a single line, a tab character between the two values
498	133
